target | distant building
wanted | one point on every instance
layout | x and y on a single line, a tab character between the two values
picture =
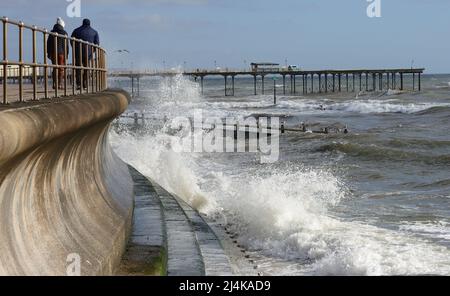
265	67
12	71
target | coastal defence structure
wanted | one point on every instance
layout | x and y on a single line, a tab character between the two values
66	200
68	204
311	81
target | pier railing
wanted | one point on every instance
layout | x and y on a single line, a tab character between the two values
83	71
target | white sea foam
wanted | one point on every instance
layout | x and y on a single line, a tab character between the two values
439	230
287	213
382	106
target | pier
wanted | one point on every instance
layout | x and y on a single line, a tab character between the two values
310	81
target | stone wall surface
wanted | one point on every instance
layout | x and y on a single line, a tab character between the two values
63	192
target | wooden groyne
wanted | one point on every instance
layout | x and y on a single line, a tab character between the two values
310	82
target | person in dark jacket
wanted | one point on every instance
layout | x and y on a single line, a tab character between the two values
85	33
58	51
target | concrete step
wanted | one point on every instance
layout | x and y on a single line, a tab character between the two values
215	261
183	252
169	237
146	252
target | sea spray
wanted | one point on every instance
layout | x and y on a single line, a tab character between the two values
283	210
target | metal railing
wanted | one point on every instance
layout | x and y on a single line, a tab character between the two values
88	65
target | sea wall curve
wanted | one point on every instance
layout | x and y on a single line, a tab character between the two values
66	200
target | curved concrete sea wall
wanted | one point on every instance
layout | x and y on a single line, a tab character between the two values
64	195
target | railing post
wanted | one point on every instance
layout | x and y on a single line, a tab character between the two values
74	71
86	65
104	73
90	64
5	60
65	66
21	62
34	64
96	70
46	66
55	64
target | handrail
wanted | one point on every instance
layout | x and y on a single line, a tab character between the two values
88	66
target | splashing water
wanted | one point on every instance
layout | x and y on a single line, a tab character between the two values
283	210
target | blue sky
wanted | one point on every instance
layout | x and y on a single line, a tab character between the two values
314	34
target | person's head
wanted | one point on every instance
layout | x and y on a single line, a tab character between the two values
86	22
61	22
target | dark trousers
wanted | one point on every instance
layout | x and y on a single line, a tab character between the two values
83	73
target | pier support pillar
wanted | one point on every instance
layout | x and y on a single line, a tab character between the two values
201	83
346	79
295	86
292	85
312	83
334	82
339	79
138	86
420	82
305	79
374	82
326	82
360	81
320	83
225	78
262	77
284	84
232	84
367	81
381	81
354	82
254	84
303	84
414	81
401	81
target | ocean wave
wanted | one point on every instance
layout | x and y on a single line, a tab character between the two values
433	229
434	110
418	143
287	215
283	211
377	152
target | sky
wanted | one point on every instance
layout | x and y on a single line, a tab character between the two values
313	34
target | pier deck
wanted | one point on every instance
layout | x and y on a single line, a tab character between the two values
312	81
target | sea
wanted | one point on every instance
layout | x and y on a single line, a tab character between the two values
373	201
